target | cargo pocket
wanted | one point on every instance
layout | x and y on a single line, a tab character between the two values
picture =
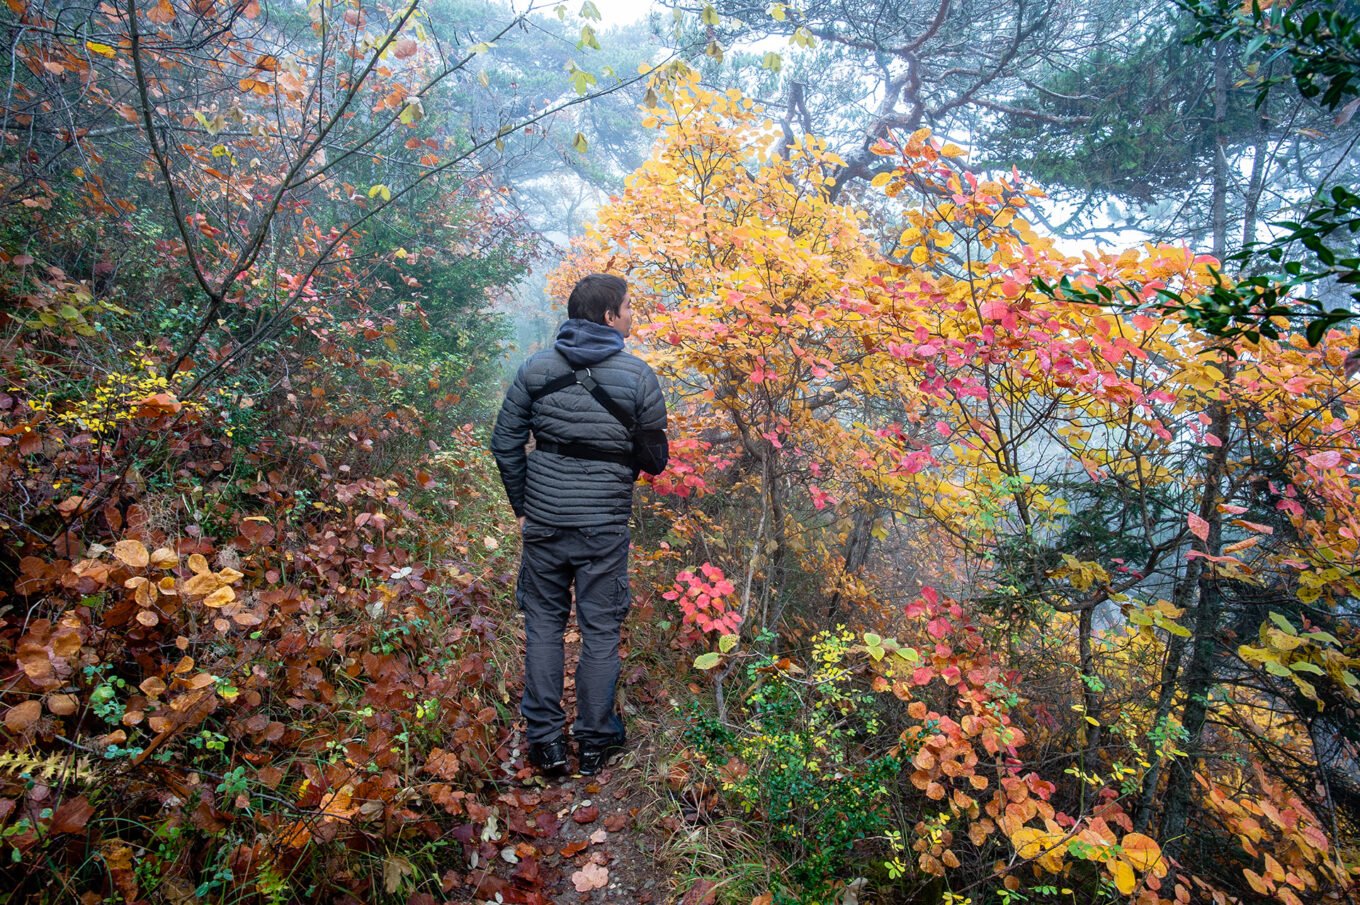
532	533
623	597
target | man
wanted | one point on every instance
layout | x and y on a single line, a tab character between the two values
597	416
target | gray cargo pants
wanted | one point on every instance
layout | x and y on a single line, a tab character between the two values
596	559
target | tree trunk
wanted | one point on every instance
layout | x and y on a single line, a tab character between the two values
1199	672
1220	198
1166	694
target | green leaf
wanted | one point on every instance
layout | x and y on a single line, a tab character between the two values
413	112
727	642
708	660
1174	628
710	15
590	11
778	12
579	143
481	47
803	38
1282	623
772	61
909	654
588	39
873	640
581	80
1306	666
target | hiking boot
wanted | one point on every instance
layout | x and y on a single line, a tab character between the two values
596	757
549	758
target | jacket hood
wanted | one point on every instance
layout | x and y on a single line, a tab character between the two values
584	343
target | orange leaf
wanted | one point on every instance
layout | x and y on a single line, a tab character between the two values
1142	852
162	13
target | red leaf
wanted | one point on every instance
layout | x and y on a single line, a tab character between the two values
1198	527
72	816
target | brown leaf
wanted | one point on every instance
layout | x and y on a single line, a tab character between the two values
588	814
572	849
23	715
132	553
703	892
63	704
72	816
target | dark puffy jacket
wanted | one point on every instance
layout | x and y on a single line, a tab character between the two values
564	491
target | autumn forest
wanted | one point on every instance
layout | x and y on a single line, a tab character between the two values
1009	546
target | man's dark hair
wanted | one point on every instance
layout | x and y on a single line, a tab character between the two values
595	294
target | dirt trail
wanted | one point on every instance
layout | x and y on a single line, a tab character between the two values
596	839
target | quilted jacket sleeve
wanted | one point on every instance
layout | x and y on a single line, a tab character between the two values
651	422
509	438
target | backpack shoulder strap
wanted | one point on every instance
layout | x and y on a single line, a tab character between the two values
587	380
552	386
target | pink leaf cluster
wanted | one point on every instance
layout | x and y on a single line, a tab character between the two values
705	600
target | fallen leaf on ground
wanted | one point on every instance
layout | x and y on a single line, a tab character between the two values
587	814
592	876
703	892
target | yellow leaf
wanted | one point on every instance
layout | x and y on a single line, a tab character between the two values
1124	879
201	584
103	50
219	598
